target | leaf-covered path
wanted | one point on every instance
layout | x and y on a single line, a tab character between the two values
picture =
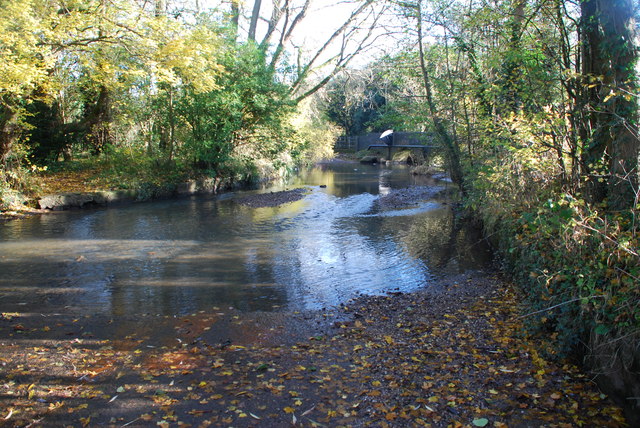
454	355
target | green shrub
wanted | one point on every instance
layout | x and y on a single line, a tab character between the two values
579	270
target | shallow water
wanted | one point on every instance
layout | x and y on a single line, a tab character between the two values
181	256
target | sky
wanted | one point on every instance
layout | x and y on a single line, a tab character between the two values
322	20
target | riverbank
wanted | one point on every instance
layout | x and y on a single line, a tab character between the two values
90	183
82	186
451	355
90	188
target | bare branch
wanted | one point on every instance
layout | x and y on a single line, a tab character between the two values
288	32
344	58
354	15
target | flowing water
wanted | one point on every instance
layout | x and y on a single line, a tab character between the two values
180	256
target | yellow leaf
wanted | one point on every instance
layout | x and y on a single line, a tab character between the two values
609	96
388	339
289	409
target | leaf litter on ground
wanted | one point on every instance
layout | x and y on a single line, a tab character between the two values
454	354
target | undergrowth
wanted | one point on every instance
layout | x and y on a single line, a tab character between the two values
580	271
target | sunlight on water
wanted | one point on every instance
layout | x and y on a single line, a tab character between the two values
180	256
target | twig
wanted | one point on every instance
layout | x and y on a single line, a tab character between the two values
558	305
129	423
627	250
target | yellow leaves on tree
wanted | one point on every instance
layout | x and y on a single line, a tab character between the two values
24	61
114	42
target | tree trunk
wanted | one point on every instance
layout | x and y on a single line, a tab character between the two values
255	15
235	16
8	133
450	145
98	122
609	130
593	69
276	15
172	124
618	26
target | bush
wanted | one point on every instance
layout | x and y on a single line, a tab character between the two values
579	270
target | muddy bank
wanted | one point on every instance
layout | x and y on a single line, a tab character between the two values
79	200
272	199
409	196
450	355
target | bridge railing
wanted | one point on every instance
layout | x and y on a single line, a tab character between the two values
362	142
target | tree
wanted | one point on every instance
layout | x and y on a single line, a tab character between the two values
313	66
354	101
414	11
611	144
25	66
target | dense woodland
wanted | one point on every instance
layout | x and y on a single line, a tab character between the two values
534	102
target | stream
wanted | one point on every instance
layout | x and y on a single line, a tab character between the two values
180	256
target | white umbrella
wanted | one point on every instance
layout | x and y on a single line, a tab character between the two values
387	132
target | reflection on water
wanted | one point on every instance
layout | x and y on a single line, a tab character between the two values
181	256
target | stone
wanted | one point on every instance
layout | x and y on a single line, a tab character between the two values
369	159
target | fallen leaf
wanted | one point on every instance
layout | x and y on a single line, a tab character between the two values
481	422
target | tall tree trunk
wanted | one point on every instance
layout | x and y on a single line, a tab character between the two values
255	15
619	27
99	122
8	133
235	16
610	129
172	124
593	69
450	145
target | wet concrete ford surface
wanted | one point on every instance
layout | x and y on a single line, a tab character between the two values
359	229
238	311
